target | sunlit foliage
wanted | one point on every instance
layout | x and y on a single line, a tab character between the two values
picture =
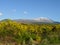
29	34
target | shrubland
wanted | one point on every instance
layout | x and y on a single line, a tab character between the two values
29	34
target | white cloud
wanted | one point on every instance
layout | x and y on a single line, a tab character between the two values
1	13
25	12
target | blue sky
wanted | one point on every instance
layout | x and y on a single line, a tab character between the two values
30	9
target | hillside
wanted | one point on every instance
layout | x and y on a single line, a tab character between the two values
16	33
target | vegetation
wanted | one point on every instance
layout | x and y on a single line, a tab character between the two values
28	34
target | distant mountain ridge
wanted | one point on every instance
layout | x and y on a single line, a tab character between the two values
41	20
37	20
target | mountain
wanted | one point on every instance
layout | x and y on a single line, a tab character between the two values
41	20
37	20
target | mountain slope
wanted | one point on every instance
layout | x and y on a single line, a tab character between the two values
37	20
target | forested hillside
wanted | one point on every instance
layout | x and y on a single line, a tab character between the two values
16	33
